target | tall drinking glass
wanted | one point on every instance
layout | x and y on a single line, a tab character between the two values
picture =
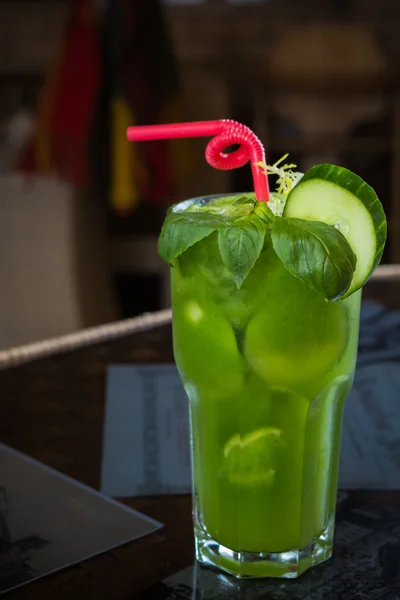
266	301
267	369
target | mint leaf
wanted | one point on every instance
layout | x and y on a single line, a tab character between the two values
263	212
184	229
240	246
316	253
245	200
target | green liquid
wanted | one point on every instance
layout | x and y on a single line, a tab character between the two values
267	369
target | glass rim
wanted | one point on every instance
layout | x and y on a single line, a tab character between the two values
202	200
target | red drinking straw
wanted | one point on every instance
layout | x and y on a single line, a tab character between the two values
226	133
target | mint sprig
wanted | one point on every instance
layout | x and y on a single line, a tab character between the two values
316	253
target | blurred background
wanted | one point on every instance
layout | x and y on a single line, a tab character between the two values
81	208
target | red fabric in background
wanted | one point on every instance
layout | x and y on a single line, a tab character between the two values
66	109
128	55
76	94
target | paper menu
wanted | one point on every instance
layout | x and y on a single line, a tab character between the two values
146	432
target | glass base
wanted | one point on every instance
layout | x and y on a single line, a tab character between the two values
289	564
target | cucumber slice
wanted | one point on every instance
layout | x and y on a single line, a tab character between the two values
336	196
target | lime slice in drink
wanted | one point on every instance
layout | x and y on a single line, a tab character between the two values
340	198
297	361
205	348
291	345
251	459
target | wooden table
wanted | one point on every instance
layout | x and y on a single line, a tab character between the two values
52	409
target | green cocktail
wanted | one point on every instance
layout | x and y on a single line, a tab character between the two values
265	340
266	293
